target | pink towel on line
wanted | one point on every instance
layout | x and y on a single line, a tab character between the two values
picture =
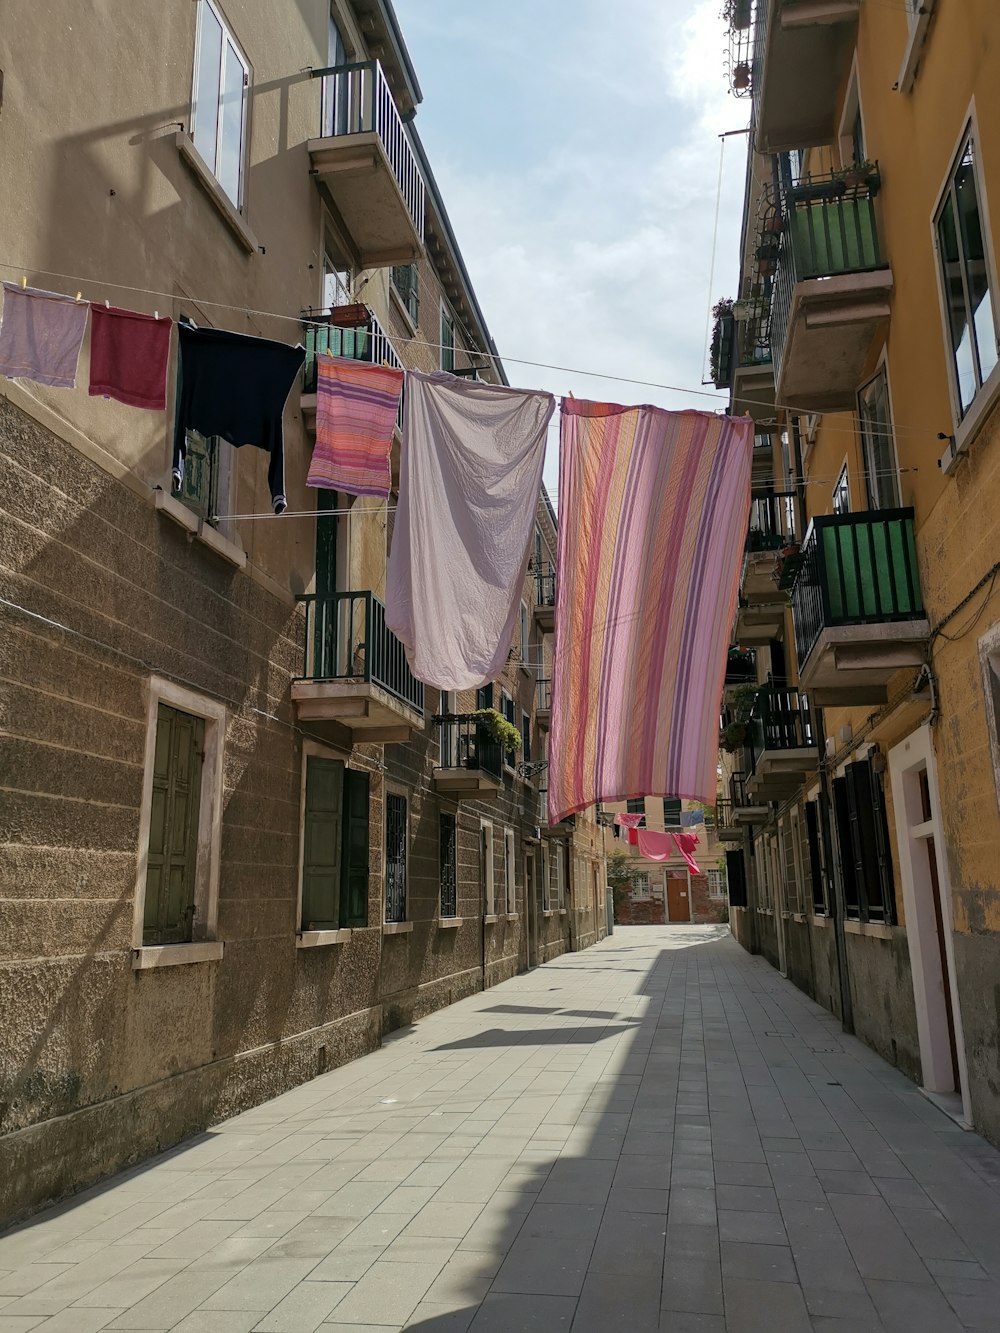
656	846
629	821
129	352
356	406
41	335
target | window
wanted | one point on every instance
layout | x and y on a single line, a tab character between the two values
525	644
671	812
636	805
486	867
447	340
334	846
219	109
525	737
484	697
863	843
336	282
508	871
446	739
881	479
562	861
448	866
395	857
199	484
716	883
640	887
509	711
406	281
817	865
176	899
965	276
842	494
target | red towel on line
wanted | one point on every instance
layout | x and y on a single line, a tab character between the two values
128	357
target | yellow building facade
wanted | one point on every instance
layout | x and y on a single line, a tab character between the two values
861	761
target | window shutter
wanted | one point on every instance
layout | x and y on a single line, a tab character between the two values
322	836
449	876
525	737
671	812
395	857
815	860
845	842
355	865
871	840
883	851
736	875
168	908
484	697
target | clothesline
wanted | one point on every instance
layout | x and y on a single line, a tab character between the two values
299	320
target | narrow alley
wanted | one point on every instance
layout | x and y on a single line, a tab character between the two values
659	1133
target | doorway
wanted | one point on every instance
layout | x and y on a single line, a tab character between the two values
678	900
927	906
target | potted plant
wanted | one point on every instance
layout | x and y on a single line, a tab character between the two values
741	77
859	175
350	316
723	340
736	14
733	736
772	223
496	728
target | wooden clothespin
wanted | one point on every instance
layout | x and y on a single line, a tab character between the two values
107	305
24	281
79	296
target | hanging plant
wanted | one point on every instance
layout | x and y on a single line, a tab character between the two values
733	736
741	77
736	14
497	728
720	350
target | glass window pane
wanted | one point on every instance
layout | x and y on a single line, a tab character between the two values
958	325
876	434
974	253
206	93
230	168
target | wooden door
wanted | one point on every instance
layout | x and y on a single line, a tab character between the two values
677	899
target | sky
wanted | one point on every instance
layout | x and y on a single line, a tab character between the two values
579	164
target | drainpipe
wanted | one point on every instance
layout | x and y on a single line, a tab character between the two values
835	884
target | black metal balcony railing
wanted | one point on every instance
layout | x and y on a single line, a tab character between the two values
828	229
741	666
465	744
738	790
362	342
346	638
357	99
856	569
772	521
545	586
543	695
780	720
725	819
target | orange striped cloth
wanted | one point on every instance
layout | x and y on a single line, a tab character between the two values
356	406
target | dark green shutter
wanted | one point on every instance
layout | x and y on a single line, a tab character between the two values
815	860
883	851
354	881
671	812
324	816
449	879
871	841
737	879
484	697
168	908
845	843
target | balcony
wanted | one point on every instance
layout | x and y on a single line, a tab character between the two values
471	763
772	529
543	703
857	608
741	667
802	52
727	829
545	599
757	625
753	373
355	682
830	298
365	167
564	829
781	746
349	331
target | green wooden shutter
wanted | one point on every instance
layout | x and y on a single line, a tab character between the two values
883	852
871	842
845	842
484	697
324	815
815	859
168	909
671	812
354	875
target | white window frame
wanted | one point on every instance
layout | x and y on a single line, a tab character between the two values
967	426
918	18
396	927
640	891
560	859
208	855
545	872
487	853
717	883
507	698
852	108
881	372
230	36
510	883
843	480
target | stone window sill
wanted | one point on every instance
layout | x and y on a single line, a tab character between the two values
968	429
875	929
396	927
206	179
547	912
512	916
820	920
198	530
174	955
491	920
401	310
449	922
315	939
563	911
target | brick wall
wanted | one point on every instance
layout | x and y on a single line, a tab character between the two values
648	912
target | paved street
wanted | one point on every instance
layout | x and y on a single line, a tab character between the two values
657	1133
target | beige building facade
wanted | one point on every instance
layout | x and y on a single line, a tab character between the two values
239	842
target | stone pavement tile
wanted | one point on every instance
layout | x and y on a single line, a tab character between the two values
498	1224
444	1219
192	1241
636	1199
69	1286
702	1242
347	1263
963	1278
737	1150
431	1173
765	1307
219	1321
386	1172
747	1198
647	1143
742	1173
931	1235
782	1144
314	1237
645	1172
877	1242
261	1285
691	1284
433	1318
76	1319
906	1193
677	1321
387	1294
610	1303
19	1324
304	1308
464	1279
247	1204
770	1263
271	1224
756	1228
846	1182
909	1307
356	1199
471	1182
133	1284
406	1249
692	1177
550	1254
503	1312
578	1180
22	1281
695	1206
407	1199
822	1302
178	1297
629	1244
976	1311
831	1160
